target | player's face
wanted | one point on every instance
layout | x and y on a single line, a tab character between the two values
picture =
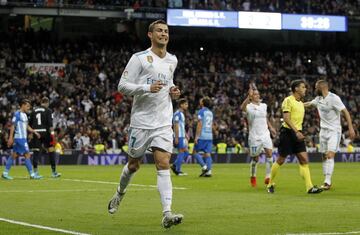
318	89
301	89
185	106
256	96
201	103
26	107
160	35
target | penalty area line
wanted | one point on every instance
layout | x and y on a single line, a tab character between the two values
42	227
330	233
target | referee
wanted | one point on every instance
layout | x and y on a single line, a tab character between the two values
291	137
41	119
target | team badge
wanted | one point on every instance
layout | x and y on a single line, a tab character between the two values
125	74
150	59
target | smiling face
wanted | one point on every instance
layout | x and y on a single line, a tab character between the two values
256	96
159	35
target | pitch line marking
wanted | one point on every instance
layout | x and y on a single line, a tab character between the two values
333	233
42	227
65	190
116	183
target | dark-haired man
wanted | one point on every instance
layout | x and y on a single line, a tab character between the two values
291	137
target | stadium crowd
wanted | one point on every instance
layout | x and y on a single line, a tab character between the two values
88	109
340	7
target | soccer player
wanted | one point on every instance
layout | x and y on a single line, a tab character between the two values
291	137
41	121
148	77
19	142
259	134
180	137
330	108
204	137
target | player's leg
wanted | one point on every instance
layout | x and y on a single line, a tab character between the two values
29	168
329	147
162	162
52	159
9	162
305	173
253	169
268	145
176	167
35	160
139	142
36	147
199	159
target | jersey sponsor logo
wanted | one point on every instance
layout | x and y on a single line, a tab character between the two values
149	59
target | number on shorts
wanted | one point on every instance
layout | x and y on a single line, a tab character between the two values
133	139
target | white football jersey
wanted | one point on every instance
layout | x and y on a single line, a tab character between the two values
257	120
329	110
149	110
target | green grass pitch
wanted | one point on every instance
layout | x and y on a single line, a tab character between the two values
223	204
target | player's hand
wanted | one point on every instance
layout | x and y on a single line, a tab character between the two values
37	134
176	141
175	92
156	87
352	134
300	136
10	142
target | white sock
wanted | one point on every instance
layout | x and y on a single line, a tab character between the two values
125	178
329	170
165	189
204	167
253	168
268	162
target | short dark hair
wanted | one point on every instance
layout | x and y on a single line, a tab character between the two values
322	81
296	83
152	25
45	100
24	101
206	101
182	101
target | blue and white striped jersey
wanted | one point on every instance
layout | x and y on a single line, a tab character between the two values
20	122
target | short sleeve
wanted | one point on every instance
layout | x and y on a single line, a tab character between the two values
176	118
200	115
286	105
338	104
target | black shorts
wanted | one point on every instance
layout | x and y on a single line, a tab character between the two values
43	143
289	143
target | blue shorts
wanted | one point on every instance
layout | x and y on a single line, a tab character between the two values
204	145
182	143
21	146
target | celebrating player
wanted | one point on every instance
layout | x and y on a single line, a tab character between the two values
330	108
291	137
41	121
19	141
204	137
148	77
259	134
180	137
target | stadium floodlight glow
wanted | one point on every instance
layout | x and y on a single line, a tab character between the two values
314	22
202	18
259	20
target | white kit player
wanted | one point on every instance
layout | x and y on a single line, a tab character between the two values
259	134
330	107
148	77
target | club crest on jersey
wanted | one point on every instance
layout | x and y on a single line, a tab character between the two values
125	74
150	59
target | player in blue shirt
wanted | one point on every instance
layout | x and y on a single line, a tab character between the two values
18	139
180	140
204	137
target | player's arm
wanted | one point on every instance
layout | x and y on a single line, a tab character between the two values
11	136
198	130
271	128
127	83
286	108
311	104
176	129
347	116
247	100
33	131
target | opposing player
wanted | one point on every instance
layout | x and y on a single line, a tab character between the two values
204	137
291	137
180	137
148	77
18	140
330	108
41	121
259	134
